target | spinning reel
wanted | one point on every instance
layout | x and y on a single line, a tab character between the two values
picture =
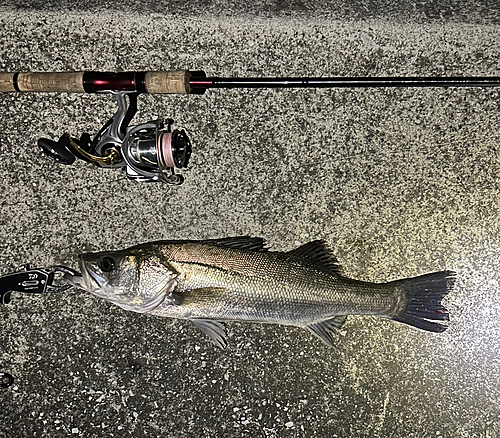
149	152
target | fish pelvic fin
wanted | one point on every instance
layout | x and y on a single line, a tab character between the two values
423	308
327	330
318	253
205	299
214	330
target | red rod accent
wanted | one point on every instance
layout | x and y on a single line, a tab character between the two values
94	82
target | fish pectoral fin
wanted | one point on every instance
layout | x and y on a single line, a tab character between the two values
326	330
214	330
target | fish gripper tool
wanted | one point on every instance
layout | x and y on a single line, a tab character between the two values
33	281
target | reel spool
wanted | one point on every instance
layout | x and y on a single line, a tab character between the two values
150	154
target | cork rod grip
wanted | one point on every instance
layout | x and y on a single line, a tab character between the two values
71	82
172	82
7	82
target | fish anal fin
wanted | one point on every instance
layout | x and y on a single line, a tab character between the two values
317	252
214	330
326	330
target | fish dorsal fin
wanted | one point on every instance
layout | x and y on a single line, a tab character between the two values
213	329
317	252
243	242
326	330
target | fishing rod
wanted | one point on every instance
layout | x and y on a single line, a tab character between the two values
152	151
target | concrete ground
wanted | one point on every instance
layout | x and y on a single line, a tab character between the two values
398	182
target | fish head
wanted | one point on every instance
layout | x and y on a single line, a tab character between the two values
134	279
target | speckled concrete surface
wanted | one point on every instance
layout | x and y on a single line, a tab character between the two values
399	183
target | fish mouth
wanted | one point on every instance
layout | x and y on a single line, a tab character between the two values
91	279
84	280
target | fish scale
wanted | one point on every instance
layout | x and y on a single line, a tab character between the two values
264	285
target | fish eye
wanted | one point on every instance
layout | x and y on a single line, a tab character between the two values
106	263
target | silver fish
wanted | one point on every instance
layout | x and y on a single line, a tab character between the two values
238	279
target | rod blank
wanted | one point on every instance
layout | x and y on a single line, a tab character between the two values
344	82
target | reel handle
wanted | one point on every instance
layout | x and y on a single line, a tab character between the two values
57	150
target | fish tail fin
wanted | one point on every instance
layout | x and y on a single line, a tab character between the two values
422	307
